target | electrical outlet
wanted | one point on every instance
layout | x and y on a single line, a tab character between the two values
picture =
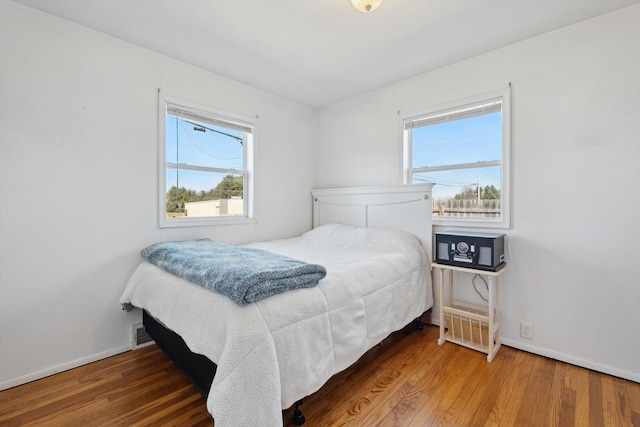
526	330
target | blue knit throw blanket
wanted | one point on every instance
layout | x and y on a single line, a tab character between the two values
243	274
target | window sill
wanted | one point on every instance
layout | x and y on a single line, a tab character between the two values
203	222
471	223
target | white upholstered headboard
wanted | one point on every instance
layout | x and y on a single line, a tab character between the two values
398	207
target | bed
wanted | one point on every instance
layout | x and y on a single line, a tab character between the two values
255	360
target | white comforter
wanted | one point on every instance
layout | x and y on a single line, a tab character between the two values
276	351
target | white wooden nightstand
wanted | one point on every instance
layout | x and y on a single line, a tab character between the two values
471	325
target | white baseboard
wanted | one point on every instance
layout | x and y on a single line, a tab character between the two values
61	368
573	360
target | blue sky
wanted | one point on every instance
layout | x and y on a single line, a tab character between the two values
202	149
462	141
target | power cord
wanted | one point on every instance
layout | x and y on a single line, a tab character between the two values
473	281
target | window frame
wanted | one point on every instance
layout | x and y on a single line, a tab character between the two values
504	221
248	157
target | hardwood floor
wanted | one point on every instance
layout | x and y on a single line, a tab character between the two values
408	380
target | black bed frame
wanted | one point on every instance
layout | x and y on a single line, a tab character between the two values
198	368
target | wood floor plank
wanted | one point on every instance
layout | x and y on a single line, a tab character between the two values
50	394
577	379
543	398
397	404
422	390
370	391
83	403
479	406
633	391
407	381
457	408
440	398
566	417
505	408
557	393
535	391
596	404
615	405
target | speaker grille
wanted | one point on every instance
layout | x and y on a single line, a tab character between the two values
484	257
443	251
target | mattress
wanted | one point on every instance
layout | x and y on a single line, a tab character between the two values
276	351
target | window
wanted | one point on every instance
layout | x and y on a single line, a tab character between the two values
205	165
463	148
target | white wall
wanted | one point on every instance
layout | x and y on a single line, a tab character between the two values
78	177
573	260
78	185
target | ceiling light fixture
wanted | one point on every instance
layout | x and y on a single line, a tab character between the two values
366	5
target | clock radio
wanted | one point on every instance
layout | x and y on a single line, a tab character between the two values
479	251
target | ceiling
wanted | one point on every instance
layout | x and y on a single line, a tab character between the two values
318	52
